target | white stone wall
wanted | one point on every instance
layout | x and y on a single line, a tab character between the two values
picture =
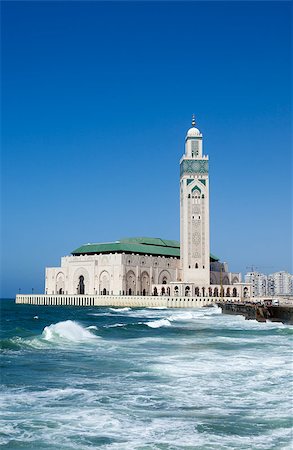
113	274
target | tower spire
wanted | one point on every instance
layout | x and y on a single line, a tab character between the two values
193	120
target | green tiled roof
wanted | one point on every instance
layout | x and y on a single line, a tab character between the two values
142	245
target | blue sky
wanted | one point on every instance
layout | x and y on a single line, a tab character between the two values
96	101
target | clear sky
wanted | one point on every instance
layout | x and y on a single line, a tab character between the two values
96	101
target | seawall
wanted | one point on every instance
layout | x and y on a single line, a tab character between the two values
119	300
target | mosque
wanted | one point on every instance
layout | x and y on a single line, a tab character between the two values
144	266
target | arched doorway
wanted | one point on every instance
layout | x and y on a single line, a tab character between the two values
187	291
155	291
164	277
145	283
81	286
234	292
60	283
104	282
130	283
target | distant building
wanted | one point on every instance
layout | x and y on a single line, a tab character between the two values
278	283
259	283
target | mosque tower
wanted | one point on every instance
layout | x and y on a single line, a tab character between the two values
194	211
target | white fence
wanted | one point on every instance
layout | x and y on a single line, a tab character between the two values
120	300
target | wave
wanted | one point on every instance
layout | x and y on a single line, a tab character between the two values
158	307
158	323
120	309
61	333
92	327
67	331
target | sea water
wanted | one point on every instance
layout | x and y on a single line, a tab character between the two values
122	378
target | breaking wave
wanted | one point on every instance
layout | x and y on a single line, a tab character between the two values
67	331
120	309
61	333
158	323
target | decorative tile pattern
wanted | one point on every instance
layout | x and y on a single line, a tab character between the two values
188	166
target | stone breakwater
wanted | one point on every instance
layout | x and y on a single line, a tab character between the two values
259	312
117	300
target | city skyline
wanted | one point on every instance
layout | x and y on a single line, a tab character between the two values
94	121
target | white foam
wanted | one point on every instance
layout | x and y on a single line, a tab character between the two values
158	307
120	309
67	331
36	317
92	327
158	323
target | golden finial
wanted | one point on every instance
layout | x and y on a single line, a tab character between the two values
193	120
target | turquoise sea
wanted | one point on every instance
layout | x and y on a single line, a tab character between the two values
121	378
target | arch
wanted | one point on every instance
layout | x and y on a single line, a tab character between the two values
187	291
81	286
104	282
225	280
203	291
210	292
168	291
234	292
60	283
130	282
155	291
235	280
164	277
228	294
216	292
81	271
176	290
145	283
196	291
213	278
245	292
105	260
163	291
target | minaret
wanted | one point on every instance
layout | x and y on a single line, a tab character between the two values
194	211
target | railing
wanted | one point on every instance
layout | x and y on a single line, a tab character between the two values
120	300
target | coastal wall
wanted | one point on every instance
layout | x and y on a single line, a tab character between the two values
119	300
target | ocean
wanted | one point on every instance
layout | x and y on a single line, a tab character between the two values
122	378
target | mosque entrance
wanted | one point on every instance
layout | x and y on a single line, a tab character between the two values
80	287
